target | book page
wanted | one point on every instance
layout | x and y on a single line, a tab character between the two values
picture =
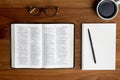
36	45
28	45
58	45
49	45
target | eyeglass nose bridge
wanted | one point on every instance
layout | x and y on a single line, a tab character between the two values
41	9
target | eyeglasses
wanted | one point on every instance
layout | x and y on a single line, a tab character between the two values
48	11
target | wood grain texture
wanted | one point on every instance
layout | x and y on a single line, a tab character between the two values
60	3
75	11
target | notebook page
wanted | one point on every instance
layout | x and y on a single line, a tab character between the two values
104	44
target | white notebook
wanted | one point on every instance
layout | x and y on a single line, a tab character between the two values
103	38
42	45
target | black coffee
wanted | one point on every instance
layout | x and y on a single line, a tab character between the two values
107	9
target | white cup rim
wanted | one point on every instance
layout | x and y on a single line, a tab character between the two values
112	16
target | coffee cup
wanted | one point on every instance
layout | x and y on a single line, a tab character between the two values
107	9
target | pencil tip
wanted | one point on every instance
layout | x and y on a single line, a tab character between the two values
88	30
95	62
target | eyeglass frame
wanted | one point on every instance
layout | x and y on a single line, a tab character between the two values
42	9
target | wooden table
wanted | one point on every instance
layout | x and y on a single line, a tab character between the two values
75	11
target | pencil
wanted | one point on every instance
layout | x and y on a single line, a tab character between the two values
93	53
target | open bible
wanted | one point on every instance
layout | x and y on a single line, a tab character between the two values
42	45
